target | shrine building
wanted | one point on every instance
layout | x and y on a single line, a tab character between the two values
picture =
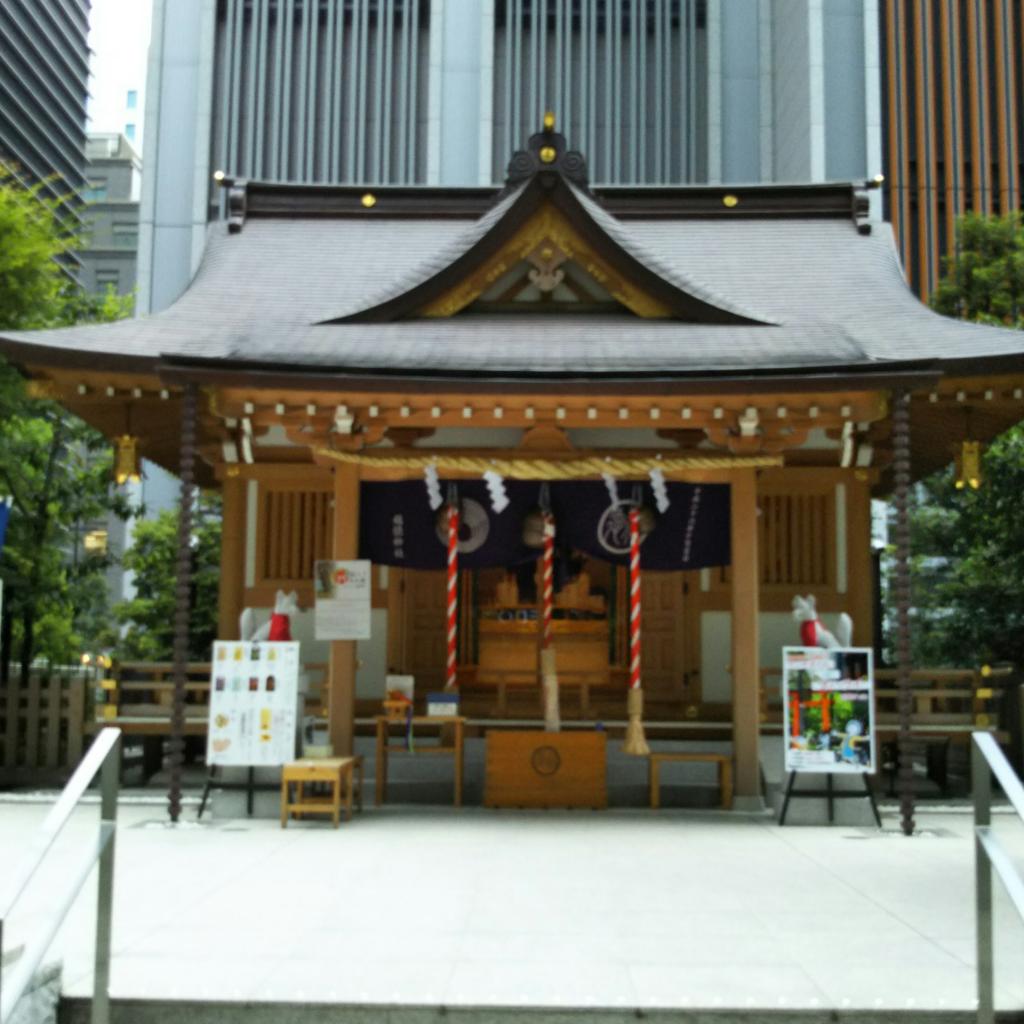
746	365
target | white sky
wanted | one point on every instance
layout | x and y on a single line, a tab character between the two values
119	39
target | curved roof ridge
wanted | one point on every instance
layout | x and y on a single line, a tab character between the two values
620	233
450	252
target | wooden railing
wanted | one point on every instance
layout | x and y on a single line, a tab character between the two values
137	697
41	723
498	683
947	702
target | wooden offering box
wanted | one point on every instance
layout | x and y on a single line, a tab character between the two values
545	769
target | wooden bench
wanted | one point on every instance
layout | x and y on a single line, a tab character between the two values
723	761
342	776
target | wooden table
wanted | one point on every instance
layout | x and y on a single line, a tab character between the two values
723	761
384	748
336	772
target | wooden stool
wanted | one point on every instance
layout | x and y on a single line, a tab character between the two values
335	772
724	773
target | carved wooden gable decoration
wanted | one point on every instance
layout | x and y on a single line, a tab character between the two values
548	245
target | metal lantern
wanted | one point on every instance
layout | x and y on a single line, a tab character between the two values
126	459
968	466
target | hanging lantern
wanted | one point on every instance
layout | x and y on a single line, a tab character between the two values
126	460
968	466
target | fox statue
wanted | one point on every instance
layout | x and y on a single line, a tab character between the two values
813	632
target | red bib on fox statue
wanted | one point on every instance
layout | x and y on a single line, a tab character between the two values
279	628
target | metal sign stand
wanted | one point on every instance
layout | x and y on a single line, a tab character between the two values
831	794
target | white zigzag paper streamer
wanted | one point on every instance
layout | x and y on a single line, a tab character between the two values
613	487
496	489
433	487
660	490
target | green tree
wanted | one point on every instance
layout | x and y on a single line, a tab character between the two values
984	281
968	560
148	619
967	545
56	469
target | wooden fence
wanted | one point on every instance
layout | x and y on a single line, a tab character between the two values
42	726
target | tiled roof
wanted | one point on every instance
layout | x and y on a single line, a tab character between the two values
832	297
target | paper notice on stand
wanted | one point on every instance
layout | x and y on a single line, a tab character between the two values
829	709
253	703
342	600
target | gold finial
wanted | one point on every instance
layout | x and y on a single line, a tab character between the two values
549	121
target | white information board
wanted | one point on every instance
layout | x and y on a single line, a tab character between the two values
828	704
253	700
342	592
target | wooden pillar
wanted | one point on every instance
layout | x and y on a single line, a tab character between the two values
859	568
232	555
745	658
341	696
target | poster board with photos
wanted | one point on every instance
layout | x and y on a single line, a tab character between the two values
828	704
253	703
342	591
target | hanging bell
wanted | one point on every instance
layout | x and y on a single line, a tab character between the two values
441	519
126	460
646	520
533	529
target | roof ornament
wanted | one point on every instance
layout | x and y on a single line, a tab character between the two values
547	151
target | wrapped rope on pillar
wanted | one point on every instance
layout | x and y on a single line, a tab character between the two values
636	742
548	579
182	595
451	683
901	589
548	669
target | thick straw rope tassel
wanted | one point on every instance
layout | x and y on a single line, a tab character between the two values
636	742
451	683
548	672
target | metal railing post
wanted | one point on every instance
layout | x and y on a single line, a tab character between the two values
109	783
982	786
1020	728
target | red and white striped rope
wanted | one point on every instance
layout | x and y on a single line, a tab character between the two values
548	580
453	594
634	598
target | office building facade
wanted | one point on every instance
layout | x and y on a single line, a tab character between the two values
954	129
112	215
441	92
44	71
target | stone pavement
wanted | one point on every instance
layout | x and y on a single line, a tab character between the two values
620	908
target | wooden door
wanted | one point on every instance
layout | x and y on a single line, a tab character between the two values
424	615
663	636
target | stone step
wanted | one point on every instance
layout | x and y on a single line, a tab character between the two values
159	1011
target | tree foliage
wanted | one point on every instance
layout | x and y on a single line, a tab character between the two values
968	563
968	545
148	619
984	280
56	469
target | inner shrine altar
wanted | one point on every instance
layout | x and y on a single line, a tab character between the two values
510	635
